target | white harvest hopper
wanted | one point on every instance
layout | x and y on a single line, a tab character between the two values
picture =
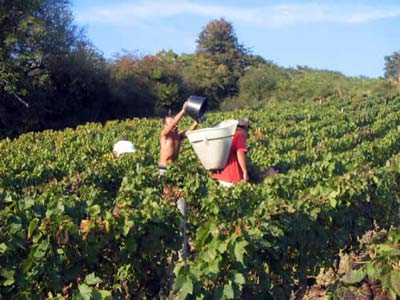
212	145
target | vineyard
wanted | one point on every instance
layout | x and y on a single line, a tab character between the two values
78	223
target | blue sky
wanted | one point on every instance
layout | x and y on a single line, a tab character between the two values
351	37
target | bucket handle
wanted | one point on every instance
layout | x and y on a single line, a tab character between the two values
211	139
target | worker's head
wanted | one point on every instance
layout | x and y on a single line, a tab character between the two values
244	123
168	120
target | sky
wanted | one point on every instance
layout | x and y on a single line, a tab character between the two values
351	37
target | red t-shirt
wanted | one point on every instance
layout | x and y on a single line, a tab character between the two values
232	171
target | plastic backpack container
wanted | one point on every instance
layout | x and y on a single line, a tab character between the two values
212	145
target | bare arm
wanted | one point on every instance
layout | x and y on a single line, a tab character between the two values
242	163
174	122
191	128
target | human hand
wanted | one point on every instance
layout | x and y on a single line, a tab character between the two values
246	176
184	106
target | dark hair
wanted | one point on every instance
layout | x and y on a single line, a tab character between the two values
244	126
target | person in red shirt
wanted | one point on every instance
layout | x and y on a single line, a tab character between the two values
235	169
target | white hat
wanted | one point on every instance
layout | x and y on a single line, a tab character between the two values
122	147
244	122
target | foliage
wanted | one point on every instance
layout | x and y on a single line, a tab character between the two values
218	37
218	42
148	85
269	82
52	77
308	84
372	269
21	36
39	75
131	94
80	84
206	77
392	67
257	86
78	223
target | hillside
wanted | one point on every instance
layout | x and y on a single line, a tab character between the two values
78	223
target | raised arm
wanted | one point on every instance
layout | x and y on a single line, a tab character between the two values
174	122
191	128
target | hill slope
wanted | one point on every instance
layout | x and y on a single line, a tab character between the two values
78	223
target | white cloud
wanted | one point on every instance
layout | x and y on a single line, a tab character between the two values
262	16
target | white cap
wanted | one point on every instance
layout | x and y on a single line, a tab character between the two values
122	147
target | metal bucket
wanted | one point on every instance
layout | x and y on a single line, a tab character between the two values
196	108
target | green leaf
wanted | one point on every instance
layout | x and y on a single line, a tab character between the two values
3	248
8	199
238	279
179	281
91	279
215	209
33	224
41	250
9	282
184	286
127	226
212	270
354	276
15	228
94	210
27	263
385	280
394	236
228	292
102	295
385	248
223	246
371	271
240	250
28	203
85	291
210	255
8	275
50	212
395	281
202	234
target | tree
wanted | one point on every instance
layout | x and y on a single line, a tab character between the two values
305	83
34	32
20	35
130	88
38	78
259	83
79	89
203	76
218	42
218	37
392	67
143	86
